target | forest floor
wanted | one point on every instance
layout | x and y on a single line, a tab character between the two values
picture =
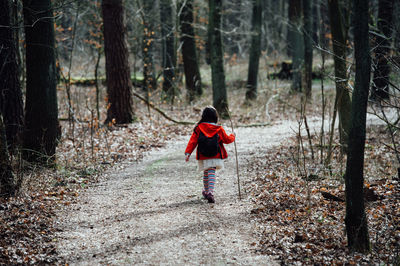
124	195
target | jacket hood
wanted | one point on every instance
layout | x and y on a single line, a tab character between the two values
209	129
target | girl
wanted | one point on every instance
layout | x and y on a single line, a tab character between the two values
205	133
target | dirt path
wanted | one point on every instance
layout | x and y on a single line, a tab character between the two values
153	213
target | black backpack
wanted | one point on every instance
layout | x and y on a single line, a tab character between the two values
208	147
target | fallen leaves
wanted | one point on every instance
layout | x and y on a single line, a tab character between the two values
25	232
296	223
27	223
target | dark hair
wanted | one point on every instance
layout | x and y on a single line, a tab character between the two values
209	115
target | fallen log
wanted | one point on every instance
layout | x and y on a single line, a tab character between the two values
136	82
369	195
330	196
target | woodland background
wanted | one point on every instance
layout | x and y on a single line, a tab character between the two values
87	85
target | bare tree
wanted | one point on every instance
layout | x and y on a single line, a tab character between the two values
189	51
356	220
168	49
11	105
255	51
117	67
148	12
41	113
220	99
380	85
7	179
339	31
308	49
296	42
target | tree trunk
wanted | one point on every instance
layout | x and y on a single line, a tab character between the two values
168	49
296	42
189	52
148	40
11	105
255	51
117	67
275	20
232	22
308	49
356	220
339	36
396	27
316	21
380	84
220	99
41	114
7	179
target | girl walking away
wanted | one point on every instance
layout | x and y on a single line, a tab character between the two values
209	138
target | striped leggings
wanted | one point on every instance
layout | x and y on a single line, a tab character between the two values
209	180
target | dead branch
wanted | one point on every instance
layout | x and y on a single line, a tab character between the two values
162	112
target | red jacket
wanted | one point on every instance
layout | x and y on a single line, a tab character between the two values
210	130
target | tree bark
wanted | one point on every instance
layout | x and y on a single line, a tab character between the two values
380	84
189	51
117	67
7	179
41	114
396	27
168	50
255	51
339	36
220	99
356	220
316	21
296	43
308	49
148	40
11	105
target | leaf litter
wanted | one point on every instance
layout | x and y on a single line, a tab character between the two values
295	223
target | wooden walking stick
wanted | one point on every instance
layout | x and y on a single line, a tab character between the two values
236	156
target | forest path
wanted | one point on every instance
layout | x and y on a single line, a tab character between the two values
152	212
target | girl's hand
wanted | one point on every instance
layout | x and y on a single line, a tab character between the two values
187	157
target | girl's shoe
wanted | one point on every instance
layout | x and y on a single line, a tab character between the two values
210	197
204	193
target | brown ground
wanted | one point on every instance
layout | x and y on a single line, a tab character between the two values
153	213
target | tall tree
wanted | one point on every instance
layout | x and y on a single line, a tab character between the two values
11	105
7	179
380	85
220	98
396	27
308	50
339	38
296	42
168	49
255	50
41	114
148	13
356	220
117	67
189	53
271	26
232	21
316	20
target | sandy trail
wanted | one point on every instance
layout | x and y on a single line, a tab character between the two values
153	213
